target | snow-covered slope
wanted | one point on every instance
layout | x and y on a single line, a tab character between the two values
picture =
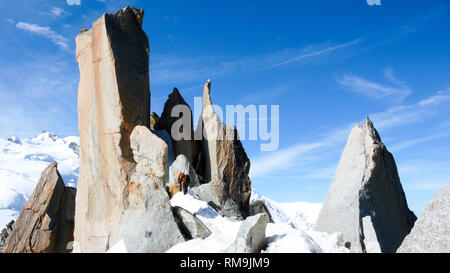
23	160
292	230
21	164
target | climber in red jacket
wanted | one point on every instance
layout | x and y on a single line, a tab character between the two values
184	181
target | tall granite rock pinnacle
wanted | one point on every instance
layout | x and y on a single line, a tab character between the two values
118	185
223	162
365	201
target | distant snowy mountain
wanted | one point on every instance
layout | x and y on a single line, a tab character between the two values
21	164
299	214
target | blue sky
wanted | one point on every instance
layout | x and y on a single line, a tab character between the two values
327	64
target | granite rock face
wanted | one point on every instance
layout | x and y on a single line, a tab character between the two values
186	145
121	193
431	232
190	225
45	224
164	135
147	223
365	201
182	164
223	159
251	237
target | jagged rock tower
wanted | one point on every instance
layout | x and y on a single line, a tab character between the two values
223	162
45	224
121	193
365	200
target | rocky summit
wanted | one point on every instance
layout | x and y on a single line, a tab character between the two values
365	201
224	161
127	170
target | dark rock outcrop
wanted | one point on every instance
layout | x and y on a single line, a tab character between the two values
66	220
259	206
186	147
365	201
190	225
218	199
45	224
5	234
431	232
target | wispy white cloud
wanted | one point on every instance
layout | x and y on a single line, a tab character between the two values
46	32
267	94
73	2
425	174
415	141
46	87
315	53
58	11
413	167
54	12
412	113
176	69
445	124
440	97
196	87
273	163
282	159
397	89
170	69
320	173
419	22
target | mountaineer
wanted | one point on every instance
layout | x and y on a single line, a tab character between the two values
184	181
